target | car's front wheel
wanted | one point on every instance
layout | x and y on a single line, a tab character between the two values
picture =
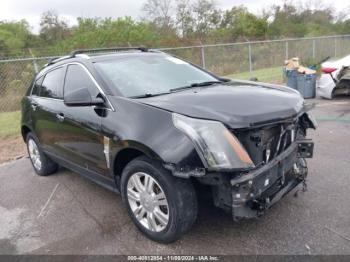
162	206
42	164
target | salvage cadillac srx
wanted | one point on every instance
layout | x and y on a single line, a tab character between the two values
152	126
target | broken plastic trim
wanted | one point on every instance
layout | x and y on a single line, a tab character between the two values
186	171
253	193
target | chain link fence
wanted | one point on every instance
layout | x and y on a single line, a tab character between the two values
260	59
263	59
15	78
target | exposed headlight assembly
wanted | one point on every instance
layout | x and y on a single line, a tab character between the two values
217	147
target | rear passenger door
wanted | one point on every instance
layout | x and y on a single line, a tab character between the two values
46	103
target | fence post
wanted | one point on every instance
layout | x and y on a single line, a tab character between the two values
313	49
250	59
203	56
335	47
287	51
35	65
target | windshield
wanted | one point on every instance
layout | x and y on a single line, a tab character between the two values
136	76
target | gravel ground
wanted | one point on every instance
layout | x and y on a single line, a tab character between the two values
67	214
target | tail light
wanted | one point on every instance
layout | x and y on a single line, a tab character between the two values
328	70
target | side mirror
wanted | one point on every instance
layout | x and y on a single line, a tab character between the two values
82	97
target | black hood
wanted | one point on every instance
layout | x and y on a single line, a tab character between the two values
238	105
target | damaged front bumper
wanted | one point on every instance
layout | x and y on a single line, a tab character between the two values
256	191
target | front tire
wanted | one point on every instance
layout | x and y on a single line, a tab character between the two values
42	164
162	206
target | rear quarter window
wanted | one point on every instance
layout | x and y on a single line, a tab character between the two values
52	86
37	86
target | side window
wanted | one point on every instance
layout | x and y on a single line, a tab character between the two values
52	85
77	78
37	86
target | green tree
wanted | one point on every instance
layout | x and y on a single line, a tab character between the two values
53	28
241	24
159	12
286	22
184	19
96	32
206	16
14	37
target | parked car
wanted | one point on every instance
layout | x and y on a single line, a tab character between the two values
152	127
335	78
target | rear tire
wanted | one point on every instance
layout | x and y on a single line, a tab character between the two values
42	164
163	219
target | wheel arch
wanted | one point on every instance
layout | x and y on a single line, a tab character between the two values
127	154
25	130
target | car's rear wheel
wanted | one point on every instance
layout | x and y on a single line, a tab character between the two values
42	164
162	206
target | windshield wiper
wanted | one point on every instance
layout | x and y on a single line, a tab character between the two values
149	95
206	83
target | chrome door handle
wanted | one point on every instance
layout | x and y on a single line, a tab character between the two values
60	117
34	106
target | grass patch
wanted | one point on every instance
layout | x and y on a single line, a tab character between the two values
273	75
9	123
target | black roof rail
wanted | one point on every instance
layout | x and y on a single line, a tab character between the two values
112	49
51	60
56	59
94	50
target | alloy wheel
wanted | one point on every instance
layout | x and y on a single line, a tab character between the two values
148	202
34	154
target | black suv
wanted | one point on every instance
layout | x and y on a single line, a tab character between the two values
152	126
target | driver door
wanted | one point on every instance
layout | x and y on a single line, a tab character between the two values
81	141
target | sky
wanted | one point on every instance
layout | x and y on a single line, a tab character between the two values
70	9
